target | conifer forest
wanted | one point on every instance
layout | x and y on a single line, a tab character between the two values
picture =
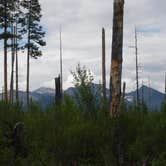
88	124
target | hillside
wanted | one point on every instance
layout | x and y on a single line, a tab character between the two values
45	96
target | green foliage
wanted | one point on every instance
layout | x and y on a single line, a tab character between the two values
67	135
32	27
87	95
10	15
82	76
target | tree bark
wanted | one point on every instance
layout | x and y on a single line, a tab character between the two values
124	92
165	88
16	49
58	93
61	63
103	65
5	57
12	68
28	63
28	57
116	61
137	74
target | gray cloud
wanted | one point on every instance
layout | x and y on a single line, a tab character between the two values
81	33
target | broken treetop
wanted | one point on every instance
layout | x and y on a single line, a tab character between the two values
118	1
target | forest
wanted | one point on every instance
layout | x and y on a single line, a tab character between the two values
90	128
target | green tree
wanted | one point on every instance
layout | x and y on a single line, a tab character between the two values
6	18
35	35
87	94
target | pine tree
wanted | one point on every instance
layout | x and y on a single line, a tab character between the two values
35	35
10	16
6	16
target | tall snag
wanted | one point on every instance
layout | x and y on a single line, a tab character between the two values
137	74
124	92
16	67
116	61
12	66
58	93
165	89
103	65
61	63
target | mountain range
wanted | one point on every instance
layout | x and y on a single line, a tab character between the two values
46	96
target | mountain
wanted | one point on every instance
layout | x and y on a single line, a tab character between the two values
44	90
46	96
150	96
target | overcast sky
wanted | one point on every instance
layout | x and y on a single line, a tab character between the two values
82	21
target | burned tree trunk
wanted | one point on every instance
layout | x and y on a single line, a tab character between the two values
123	105
58	94
61	64
12	68
137	74
124	92
2	94
5	57
16	50
116	61
165	89
103	65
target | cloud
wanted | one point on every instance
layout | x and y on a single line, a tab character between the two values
81	36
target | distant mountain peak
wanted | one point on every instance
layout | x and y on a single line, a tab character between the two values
44	90
151	97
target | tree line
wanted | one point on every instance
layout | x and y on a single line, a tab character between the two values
20	30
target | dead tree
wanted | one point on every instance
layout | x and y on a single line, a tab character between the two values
116	60
165	89
103	65
61	72
137	76
16	66
149	93
17	138
5	55
142	92
2	93
58	94
12	68
123	106
124	91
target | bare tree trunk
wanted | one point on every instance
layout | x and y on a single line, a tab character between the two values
116	61
103	65
61	66
75	163
28	57
16	49
5	59
2	94
58	93
165	88
124	92
142	93
137	75
28	63
149	93
12	68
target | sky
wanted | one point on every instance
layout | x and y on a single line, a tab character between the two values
82	22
